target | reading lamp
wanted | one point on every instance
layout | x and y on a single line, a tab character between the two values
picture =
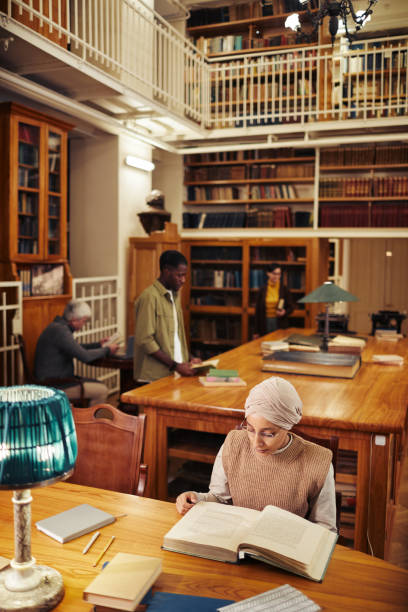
37	448
328	293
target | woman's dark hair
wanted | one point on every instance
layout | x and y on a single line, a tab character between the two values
171	259
272	267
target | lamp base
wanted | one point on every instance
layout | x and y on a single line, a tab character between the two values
44	597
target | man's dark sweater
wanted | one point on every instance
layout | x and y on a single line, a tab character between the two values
56	348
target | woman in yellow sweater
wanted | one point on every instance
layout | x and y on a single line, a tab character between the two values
274	303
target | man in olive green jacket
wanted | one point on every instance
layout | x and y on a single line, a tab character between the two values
160	345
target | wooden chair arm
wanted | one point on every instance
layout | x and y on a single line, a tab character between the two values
141	485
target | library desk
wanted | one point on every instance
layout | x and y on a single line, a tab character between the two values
125	367
354	581
367	413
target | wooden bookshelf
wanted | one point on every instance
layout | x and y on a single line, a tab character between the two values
33	215
220	291
376	195
268	178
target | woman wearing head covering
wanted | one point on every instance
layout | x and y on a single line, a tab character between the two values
273	304
264	463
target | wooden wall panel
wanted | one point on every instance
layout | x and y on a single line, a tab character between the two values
379	281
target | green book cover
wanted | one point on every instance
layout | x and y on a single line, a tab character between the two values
223	373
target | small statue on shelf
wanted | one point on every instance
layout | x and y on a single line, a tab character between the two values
154	219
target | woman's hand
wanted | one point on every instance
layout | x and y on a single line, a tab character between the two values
185	501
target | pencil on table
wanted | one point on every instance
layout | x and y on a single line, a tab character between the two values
91	541
104	551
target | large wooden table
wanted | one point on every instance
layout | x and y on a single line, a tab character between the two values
368	413
354	581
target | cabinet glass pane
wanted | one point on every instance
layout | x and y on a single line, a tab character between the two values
54	162
28	186
27	222
28	154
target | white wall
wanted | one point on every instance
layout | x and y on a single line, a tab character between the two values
93	206
105	197
168	177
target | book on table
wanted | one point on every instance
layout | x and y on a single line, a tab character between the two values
222	378
275	536
74	522
336	365
124	581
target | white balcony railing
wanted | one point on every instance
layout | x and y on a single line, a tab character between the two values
133	44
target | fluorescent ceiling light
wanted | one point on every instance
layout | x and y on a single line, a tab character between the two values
137	162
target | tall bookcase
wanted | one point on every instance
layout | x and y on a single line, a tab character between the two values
33	215
220	292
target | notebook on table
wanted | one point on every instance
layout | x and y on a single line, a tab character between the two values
74	522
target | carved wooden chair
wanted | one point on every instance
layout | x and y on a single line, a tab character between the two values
58	383
110	446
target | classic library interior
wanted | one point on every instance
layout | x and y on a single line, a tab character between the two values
266	141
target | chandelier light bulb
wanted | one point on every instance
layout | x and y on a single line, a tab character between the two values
293	22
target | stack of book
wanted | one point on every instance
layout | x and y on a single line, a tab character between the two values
390	335
346	344
222	378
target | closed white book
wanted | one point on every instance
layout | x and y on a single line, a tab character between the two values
74	522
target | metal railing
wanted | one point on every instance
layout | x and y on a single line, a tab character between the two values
132	43
101	293
11	325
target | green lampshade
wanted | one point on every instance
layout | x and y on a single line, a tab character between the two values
328	292
37	436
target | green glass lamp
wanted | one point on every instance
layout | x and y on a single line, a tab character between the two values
328	293
38	447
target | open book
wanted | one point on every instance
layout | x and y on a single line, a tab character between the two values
229	533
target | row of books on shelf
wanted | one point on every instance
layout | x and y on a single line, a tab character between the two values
240	155
378	60
365	155
27	154
276	191
42	279
277	253
216	253
262	92
269	66
216	328
247	10
28	226
28	177
380	88
385	214
363	186
207	277
53	206
211	299
27	246
238	42
27	203
293	278
280	216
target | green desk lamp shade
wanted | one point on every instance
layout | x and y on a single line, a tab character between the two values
37	447
38	440
328	293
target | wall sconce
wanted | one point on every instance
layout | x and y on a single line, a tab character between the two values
137	162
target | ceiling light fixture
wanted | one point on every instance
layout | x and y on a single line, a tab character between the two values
335	10
137	162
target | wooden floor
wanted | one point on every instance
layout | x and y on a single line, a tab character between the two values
399	536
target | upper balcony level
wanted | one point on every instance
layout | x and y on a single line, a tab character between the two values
121	66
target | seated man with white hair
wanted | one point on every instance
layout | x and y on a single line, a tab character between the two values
265	464
56	349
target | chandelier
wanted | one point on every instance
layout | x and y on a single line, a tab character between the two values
341	9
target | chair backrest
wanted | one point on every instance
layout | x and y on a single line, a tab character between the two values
332	442
110	446
26	370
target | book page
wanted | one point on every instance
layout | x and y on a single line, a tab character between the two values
210	523
286	534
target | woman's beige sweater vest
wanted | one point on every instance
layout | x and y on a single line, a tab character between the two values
291	479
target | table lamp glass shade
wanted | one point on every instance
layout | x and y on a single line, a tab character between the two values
37	437
327	293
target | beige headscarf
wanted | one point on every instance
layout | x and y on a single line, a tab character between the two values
276	400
